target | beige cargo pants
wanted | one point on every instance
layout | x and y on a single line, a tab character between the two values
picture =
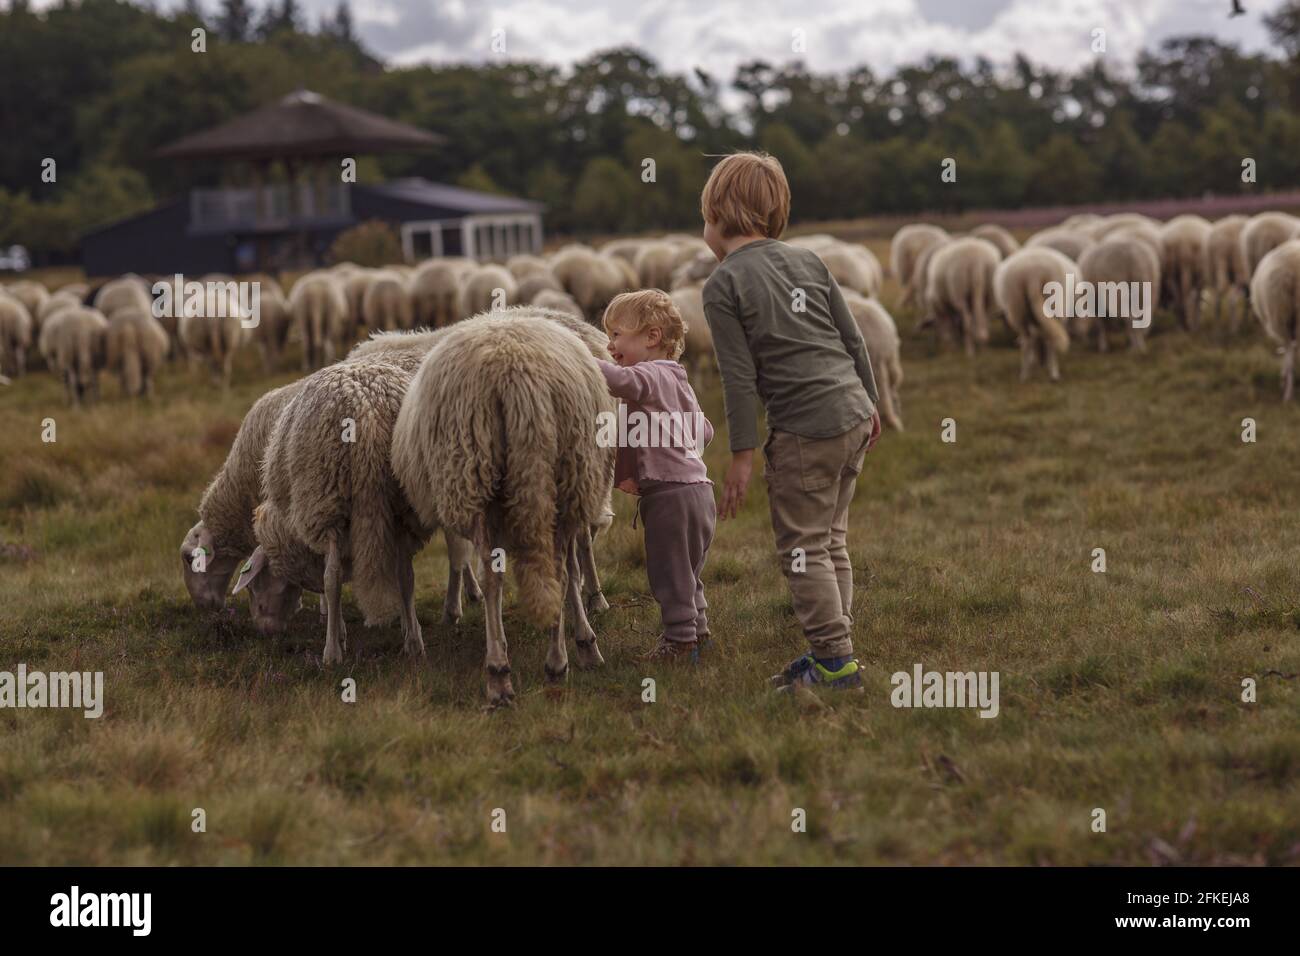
810	484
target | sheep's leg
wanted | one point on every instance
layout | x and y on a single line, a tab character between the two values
500	693
968	331
413	642
458	552
227	369
557	655
1102	345
1137	338
593	594
584	637
334	640
1053	367
1027	349
1288	372
324	609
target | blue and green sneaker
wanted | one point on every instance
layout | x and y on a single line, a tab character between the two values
840	673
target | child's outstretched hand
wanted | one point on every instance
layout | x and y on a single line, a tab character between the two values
734	485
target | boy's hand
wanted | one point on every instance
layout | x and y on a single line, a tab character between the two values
734	485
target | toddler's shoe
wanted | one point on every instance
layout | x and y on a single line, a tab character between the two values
841	673
673	651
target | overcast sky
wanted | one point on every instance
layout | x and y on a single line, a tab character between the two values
838	34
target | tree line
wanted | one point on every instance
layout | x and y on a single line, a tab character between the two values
98	85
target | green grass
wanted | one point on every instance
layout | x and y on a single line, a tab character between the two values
1118	690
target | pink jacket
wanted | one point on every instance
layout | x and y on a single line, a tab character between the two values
660	432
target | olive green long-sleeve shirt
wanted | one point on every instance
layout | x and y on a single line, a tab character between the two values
809	366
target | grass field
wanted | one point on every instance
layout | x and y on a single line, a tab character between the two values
1119	691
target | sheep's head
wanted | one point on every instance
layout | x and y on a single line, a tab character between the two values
207	573
272	600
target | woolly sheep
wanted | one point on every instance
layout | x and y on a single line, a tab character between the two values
273	323
497	439
1182	265
558	301
593	279
1275	295
1225	269
355	284
224	532
695	270
698	353
57	303
32	295
435	293
1109	224
487	287
959	281
135	345
687	248
654	263
320	314
387	304
531	287
72	342
618	248
1005	242
880	335
1020	284
1264	233
1065	241
921	282
1085	222
904	250
853	266
128	291
1120	259
332	511
523	265
15	335
216	337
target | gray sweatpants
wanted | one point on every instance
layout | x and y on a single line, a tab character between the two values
679	520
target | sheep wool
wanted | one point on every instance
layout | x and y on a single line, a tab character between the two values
72	343
487	287
959	280
1275	294
884	349
387	303
904	250
435	293
1182	242
136	346
320	314
1226	272
497	439
1131	262
1020	284
15	335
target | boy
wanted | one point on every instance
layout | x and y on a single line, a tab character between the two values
783	334
659	460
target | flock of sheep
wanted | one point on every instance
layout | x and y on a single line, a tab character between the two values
472	406
957	282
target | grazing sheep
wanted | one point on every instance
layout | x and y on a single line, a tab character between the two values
497	439
697	354
1275	295
921	280
1109	224
654	264
559	302
1182	241
1084	222
531	287
618	248
355	284
688	247
32	295
1020	284
224	532
880	335
816	241
853	266
135	346
1144	232
593	279
273	323
486	288
1126	260
387	304
960	280
332	511
524	265
1264	233
72	342
904	250
695	270
320	313
435	293
1068	243
1225	269
57	303
1005	242
15	335
217	337
128	291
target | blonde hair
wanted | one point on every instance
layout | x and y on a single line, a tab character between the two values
648	309
747	195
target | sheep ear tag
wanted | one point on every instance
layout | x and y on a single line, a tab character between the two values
252	567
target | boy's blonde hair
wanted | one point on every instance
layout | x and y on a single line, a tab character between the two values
648	309
747	195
